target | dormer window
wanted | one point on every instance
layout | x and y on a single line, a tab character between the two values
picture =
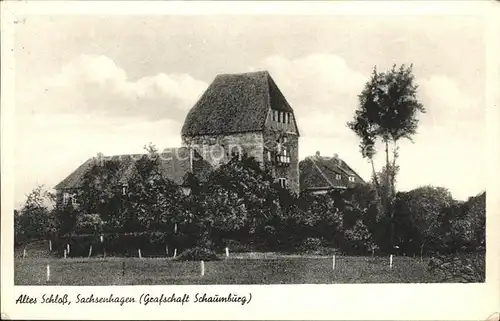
66	198
338	177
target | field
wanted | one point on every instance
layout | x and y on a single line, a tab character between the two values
237	269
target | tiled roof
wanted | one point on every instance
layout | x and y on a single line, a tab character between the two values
235	103
175	164
317	172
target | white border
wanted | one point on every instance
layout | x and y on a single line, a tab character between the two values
348	302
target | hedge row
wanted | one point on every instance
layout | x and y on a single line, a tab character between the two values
150	244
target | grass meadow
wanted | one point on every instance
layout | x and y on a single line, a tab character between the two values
237	269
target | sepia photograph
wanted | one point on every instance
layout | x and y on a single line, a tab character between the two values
247	149
272	154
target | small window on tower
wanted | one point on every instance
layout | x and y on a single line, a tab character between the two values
282	182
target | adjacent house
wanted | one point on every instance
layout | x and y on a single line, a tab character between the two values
321	174
175	164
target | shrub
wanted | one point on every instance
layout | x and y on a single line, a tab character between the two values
463	267
198	254
238	246
310	244
89	223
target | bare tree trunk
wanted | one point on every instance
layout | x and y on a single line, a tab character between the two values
422	251
387	192
377	183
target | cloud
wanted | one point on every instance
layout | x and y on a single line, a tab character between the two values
449	106
93	84
321	88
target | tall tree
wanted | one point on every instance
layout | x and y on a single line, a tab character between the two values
35	220
156	202
387	112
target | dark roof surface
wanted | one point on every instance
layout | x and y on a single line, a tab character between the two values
175	164
318	172
235	103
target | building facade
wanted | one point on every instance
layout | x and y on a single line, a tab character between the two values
246	114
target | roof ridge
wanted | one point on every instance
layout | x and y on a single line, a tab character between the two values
321	172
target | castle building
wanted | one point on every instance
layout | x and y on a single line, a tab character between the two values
238	114
246	114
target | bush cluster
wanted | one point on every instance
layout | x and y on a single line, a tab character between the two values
238	206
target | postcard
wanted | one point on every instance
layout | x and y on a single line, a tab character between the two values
250	160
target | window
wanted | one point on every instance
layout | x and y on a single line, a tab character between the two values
288	118
269	155
235	154
124	189
74	201
282	182
351	178
338	177
66	198
275	115
283	158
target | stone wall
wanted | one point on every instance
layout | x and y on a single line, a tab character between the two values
218	149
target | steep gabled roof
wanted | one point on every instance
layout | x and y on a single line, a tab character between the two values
235	103
317	173
174	165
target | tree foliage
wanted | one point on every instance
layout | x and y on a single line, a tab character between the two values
35	219
388	110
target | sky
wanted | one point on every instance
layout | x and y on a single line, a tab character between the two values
111	84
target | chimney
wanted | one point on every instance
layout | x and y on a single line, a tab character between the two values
337	159
317	153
